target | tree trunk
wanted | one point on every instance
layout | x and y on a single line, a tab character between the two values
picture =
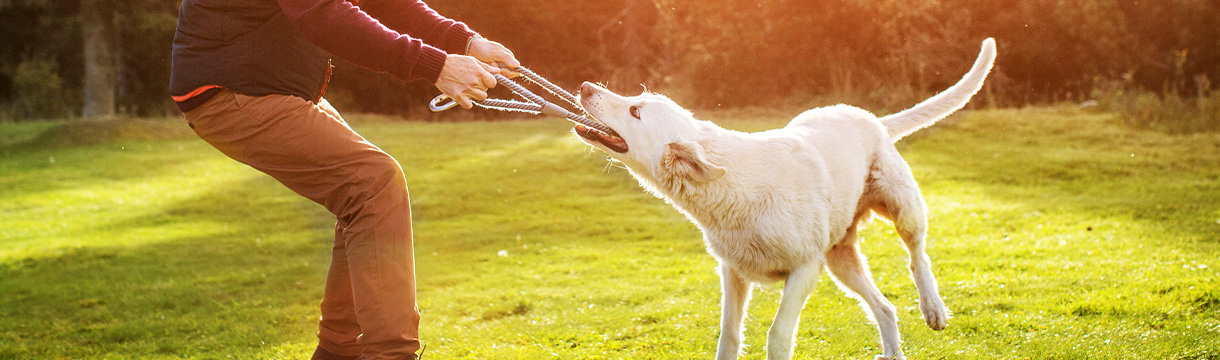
97	23
625	46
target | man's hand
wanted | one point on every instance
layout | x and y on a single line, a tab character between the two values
465	78
491	52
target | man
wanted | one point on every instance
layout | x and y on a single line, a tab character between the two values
250	75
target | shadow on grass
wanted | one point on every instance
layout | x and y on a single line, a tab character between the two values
74	133
247	288
44	161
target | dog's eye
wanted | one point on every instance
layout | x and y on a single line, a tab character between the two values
635	112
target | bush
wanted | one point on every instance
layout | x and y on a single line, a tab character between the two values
1209	112
39	90
1143	109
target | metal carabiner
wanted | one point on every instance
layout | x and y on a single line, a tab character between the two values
437	104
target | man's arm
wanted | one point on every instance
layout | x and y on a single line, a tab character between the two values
343	30
415	18
347	32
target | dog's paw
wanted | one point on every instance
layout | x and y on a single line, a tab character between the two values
935	314
895	357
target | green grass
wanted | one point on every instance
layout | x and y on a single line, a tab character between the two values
1055	234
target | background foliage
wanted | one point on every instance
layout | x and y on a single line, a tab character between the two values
883	54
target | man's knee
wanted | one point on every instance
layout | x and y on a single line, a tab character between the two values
377	181
383	172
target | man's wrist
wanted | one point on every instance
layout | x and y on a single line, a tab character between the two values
431	62
471	42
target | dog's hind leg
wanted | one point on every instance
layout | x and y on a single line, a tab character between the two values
905	207
736	294
781	338
850	270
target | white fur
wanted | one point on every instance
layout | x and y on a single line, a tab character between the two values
784	203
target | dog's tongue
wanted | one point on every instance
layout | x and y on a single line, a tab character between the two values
606	139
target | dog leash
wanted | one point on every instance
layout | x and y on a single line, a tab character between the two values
537	104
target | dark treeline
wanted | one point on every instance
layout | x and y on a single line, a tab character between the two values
883	53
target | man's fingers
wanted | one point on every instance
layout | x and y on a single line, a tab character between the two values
464	102
506	56
509	73
489	67
476	94
486	79
512	60
506	67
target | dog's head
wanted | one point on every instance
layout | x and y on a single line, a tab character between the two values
659	139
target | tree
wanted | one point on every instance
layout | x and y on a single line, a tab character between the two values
97	26
625	45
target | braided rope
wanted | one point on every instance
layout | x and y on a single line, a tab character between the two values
538	105
510	105
557	91
595	125
520	90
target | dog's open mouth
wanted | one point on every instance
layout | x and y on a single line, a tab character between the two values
612	141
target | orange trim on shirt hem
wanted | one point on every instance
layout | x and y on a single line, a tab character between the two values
194	93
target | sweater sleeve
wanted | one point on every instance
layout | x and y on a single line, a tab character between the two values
349	33
415	18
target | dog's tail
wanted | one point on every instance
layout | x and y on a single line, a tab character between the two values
938	107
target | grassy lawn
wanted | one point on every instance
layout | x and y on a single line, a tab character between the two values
1055	234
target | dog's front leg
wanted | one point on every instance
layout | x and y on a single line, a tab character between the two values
781	338
732	312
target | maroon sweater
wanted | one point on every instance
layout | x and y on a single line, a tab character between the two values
348	31
261	47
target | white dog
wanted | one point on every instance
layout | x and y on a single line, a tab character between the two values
781	204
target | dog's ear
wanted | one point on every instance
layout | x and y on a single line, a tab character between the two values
686	159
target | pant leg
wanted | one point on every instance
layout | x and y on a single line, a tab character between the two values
309	149
338	328
398	254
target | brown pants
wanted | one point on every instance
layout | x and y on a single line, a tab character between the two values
369	304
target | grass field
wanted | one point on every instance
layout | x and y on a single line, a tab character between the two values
1056	234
